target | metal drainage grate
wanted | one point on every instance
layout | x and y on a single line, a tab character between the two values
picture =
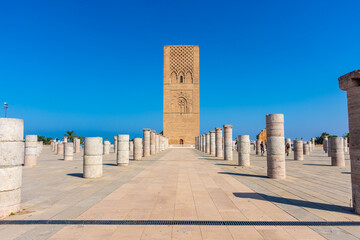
177	222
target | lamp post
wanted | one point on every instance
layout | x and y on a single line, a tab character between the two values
6	106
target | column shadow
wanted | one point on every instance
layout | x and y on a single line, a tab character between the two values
296	202
243	174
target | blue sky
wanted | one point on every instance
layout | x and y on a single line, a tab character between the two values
96	67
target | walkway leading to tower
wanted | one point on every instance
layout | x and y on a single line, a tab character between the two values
184	185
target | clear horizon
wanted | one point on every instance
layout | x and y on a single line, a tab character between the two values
97	68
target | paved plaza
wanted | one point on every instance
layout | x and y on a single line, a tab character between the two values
185	184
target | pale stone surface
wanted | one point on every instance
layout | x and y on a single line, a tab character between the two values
173	189
212	143
68	151
337	151
306	148
258	147
31	150
131	147
203	142
106	146
60	148
351	84
77	144
157	143
93	151
146	142
275	146
40	146
329	147
115	145
123	150
11	159
346	144
162	143
207	142
243	149
312	144
325	144
298	150
56	147
152	142
218	143
228	142
138	149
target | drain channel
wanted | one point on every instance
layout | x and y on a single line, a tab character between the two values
177	222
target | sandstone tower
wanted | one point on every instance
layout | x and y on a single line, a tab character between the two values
181	94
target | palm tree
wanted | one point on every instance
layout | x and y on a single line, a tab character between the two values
70	135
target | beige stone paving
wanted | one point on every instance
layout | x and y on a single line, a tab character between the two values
184	185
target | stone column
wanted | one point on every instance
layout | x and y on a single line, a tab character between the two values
131	147
157	143
146	142
162	143
207	142
30	150
152	142
68	151
258	148
212	143
55	147
106	150
288	141
218	143
166	143
306	149
351	84
275	146
228	154
203	142
325	144
115	144
39	147
346	144
313	143
329	147
123	150
138	148
243	148
52	145
337	151
93	150
11	159
60	148
298	150
77	145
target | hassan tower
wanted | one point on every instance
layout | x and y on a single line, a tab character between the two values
181	94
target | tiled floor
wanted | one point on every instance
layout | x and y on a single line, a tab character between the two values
185	184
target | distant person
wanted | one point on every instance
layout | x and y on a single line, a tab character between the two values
262	148
287	149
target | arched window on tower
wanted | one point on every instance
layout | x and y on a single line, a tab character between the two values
181	79
182	105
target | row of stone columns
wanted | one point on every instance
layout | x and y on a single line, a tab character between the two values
153	142
33	149
215	144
